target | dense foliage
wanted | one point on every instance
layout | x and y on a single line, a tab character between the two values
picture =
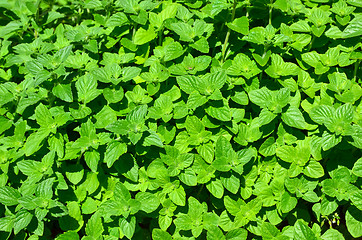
188	119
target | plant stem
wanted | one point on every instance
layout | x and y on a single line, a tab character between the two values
134	31
311	43
200	189
37	4
270	14
228	33
160	37
356	66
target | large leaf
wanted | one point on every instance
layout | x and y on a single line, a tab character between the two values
354	221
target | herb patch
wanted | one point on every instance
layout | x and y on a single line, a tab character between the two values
189	119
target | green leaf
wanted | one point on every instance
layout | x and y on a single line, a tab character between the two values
158	234
183	221
269	231
149	202
356	3
314	169
280	68
43	116
216	188
9	196
237	234
215	233
286	153
354	28
357	168
221	113
173	51
143	36
332	234
112	95
294	118
303	232
105	117
195	100
184	30
187	83
22	220
248	69
356	199
94	226
73	221
224	154
128	226
201	45
33	142
287	202
5	124
194	125
330	140
262	60
153	139
121	192
113	152
128	6
87	88
354	221
7	30
322	114
64	92
240	25
268	148
44	189
92	158
68	236
261	97
117	20
178	196
231	182
62	55
6	224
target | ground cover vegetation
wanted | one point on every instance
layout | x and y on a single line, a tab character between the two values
189	119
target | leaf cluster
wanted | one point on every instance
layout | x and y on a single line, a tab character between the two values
188	119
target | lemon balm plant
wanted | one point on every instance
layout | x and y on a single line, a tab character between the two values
188	119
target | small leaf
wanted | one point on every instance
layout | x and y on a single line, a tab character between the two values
143	36
64	92
303	232
94	226
9	196
153	139
158	234
332	234
149	202
113	152
128	226
314	169
287	202
294	118
215	233
322	113
68	236
357	168
240	25
178	196
216	188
